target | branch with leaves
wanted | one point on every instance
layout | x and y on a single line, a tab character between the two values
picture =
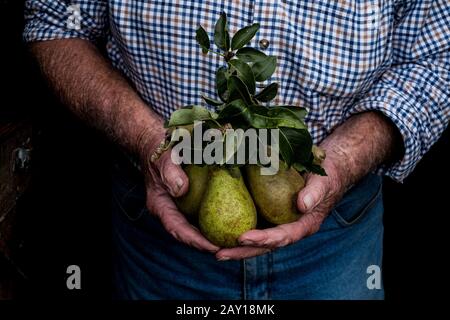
240	105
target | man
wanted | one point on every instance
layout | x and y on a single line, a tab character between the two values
373	74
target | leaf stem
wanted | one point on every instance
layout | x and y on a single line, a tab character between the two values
216	122
218	53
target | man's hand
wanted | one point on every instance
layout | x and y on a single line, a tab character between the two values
98	94
165	180
353	150
315	200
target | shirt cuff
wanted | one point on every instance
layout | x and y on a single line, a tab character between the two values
395	109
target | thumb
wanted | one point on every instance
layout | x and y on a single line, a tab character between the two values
173	176
312	194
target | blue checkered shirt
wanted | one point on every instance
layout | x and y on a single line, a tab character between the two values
337	58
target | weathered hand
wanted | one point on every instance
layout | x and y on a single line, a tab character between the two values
315	200
353	150
163	180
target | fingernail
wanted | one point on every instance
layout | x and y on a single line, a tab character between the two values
223	259
308	201
179	183
247	243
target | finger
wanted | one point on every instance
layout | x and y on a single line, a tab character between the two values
183	231
175	223
173	176
315	190
239	253
284	234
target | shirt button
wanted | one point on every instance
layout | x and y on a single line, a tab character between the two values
264	44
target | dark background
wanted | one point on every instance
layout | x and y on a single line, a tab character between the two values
66	215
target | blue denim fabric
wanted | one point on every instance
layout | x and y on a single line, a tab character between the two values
331	264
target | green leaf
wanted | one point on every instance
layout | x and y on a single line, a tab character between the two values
287	150
251	55
263	69
187	115
300	112
221	35
233	109
244	36
314	162
238	112
268	93
295	145
315	168
245	73
203	39
256	116
241	115
234	113
212	102
221	83
238	90
299	167
285	118
260	117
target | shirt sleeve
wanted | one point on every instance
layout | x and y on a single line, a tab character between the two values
62	19
414	91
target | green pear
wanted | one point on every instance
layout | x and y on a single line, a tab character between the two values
275	196
227	209
189	204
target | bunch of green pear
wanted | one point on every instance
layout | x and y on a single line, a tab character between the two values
226	201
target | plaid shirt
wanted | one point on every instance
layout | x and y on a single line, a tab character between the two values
337	58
